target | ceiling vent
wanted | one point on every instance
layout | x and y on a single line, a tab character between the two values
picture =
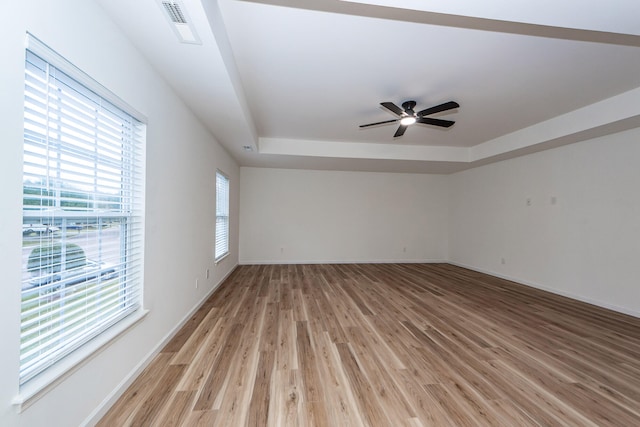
177	16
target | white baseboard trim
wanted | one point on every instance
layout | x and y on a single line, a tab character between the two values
342	261
571	295
106	404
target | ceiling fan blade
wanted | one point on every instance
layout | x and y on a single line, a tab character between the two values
379	123
435	122
400	131
393	108
438	108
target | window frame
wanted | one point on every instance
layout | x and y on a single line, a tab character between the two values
225	216
65	361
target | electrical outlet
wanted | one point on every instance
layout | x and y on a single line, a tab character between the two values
207	274
503	261
528	201
196	283
404	249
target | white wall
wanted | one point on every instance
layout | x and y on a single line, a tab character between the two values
182	158
298	216
586	245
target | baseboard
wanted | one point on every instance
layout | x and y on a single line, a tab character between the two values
341	261
576	297
106	404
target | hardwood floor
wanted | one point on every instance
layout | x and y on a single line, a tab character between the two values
389	345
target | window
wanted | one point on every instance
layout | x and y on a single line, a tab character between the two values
222	216
82	211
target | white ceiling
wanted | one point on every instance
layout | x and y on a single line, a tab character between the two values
295	79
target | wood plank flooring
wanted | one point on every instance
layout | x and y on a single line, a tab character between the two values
389	345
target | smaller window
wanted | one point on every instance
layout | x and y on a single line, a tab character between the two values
222	216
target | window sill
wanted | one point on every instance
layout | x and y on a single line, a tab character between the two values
218	260
39	386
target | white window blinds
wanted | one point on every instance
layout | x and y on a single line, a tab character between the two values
222	216
82	214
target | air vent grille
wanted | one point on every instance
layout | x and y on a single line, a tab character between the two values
175	12
178	17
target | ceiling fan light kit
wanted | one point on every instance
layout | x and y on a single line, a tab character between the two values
407	116
406	121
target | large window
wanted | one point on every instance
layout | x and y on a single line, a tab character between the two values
222	216
82	211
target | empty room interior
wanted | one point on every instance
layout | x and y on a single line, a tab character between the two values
320	212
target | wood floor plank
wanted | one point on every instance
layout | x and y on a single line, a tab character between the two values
539	403
202	419
159	395
137	393
602	411
510	414
425	406
218	374
286	352
200	366
176	410
312	390
388	345
362	389
379	377
261	397
329	318
452	408
287	403
186	332
341	405
193	343
235	392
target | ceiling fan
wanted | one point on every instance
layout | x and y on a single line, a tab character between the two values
407	116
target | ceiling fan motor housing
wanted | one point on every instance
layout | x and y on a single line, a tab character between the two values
408	107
